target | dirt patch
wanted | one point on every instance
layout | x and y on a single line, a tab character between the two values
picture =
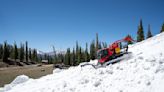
33	71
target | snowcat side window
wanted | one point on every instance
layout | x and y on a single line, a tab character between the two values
102	54
105	52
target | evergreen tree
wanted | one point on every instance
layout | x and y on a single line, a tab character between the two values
21	56
140	32
15	51
34	55
100	47
104	45
45	57
97	42
30	54
39	57
1	51
92	50
5	52
162	29
11	51
68	57
55	55
149	34
73	57
86	53
50	61
61	58
77	51
26	51
79	56
82	55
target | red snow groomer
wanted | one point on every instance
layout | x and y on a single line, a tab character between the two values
115	50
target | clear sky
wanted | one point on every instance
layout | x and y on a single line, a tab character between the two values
44	23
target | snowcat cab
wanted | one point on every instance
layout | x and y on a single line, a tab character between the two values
115	50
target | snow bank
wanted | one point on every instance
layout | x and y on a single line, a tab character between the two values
143	72
57	70
1	90
18	80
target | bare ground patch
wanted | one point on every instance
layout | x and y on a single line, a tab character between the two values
33	71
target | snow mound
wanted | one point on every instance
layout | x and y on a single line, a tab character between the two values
1	90
18	80
57	70
143	72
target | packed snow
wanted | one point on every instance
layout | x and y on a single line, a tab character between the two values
18	80
143	72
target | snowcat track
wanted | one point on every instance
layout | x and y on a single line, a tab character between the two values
118	59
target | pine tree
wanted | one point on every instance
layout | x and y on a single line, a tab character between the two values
73	57
34	55
79	56
55	55
15	51
86	53
21	52
82	55
140	32
100	47
77	51
26	51
39	57
162	29
1	51
92	50
62	57
45	56
97	42
149	34
68	57
104	45
5	52
30	54
11	51
50	61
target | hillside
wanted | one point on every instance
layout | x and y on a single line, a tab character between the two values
143	72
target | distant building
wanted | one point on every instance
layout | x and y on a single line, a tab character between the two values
45	61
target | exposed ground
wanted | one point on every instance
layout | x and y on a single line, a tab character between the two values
34	71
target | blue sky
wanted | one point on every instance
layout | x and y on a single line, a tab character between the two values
44	23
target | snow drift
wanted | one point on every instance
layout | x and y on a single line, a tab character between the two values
18	80
143	72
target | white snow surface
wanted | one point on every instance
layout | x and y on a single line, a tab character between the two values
143	72
18	80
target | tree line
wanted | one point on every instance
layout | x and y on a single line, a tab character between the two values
79	54
140	32
22	54
72	56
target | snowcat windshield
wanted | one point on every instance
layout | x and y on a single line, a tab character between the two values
123	44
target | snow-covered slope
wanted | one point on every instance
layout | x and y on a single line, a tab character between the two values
143	72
